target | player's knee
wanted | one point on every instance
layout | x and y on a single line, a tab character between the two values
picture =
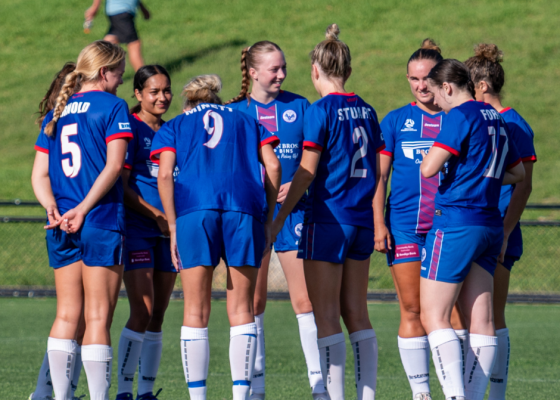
68	317
301	306
410	311
355	316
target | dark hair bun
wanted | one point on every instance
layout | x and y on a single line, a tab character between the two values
489	52
429	44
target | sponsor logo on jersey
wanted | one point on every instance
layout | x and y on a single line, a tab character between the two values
154	169
124	125
289	116
148	143
409	126
298	229
413	150
430	127
268	118
287	150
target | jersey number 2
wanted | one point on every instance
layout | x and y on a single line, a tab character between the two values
358	133
71	171
216	131
492	171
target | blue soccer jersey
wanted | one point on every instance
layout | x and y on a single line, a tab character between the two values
346	131
522	135
479	140
284	118
78	153
407	132
143	180
217	154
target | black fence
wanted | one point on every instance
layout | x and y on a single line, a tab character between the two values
24	269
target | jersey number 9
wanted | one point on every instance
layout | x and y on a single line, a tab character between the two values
216	131
71	171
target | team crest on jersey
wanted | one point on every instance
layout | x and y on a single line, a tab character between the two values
409	126
289	116
124	125
148	143
298	229
423	254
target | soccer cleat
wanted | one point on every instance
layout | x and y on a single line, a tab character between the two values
423	396
149	395
324	396
78	398
44	398
256	396
124	396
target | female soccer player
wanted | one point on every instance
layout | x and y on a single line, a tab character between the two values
43	389
282	114
339	166
488	77
149	274
80	154
216	210
466	237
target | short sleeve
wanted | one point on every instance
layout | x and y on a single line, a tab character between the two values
118	126
131	150
455	130
523	139
164	140
315	128
266	137
512	156
379	140
42	143
388	135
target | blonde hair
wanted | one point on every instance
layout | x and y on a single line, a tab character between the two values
332	54
250	57
92	58
202	89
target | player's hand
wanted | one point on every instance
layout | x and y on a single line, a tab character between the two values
145	13
283	192
174	250
276	227
90	13
502	255
54	218
163	225
382	239
73	220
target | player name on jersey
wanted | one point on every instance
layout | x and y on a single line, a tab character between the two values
75	108
344	114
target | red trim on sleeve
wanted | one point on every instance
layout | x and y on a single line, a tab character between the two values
449	149
505	109
120	135
154	155
344	94
273	140
514	164
413	104
380	149
137	117
42	150
127	166
312	145
386	153
530	158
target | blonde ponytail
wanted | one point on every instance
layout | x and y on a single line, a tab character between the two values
332	55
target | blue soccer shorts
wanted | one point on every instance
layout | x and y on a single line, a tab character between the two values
150	252
406	247
450	251
335	243
203	237
289	237
514	249
93	246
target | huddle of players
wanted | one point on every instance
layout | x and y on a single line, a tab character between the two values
194	193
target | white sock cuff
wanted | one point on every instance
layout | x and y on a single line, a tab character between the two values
66	345
441	336
247	329
131	335
259	320
188	333
361	335
461	332
482	340
153	336
502	332
97	352
330	340
414	343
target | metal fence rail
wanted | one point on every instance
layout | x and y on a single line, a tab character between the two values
24	267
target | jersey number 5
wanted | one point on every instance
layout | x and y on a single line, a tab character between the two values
358	133
492	171
216	131
71	171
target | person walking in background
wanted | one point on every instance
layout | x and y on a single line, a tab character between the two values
121	15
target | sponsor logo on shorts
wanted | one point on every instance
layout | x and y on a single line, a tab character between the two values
298	229
408	250
124	125
438	213
289	116
140	256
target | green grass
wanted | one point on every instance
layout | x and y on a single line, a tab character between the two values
534	363
38	36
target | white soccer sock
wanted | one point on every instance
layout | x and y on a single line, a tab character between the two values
479	365
415	357
195	353
97	360
130	346
77	367
332	350
44	384
242	352
364	345
446	352
463	335
308	337
61	361
258	380
499	377
148	364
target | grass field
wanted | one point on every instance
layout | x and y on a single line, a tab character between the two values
194	37
534	367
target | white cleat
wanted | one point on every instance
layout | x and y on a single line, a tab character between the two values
256	396
423	396
322	396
